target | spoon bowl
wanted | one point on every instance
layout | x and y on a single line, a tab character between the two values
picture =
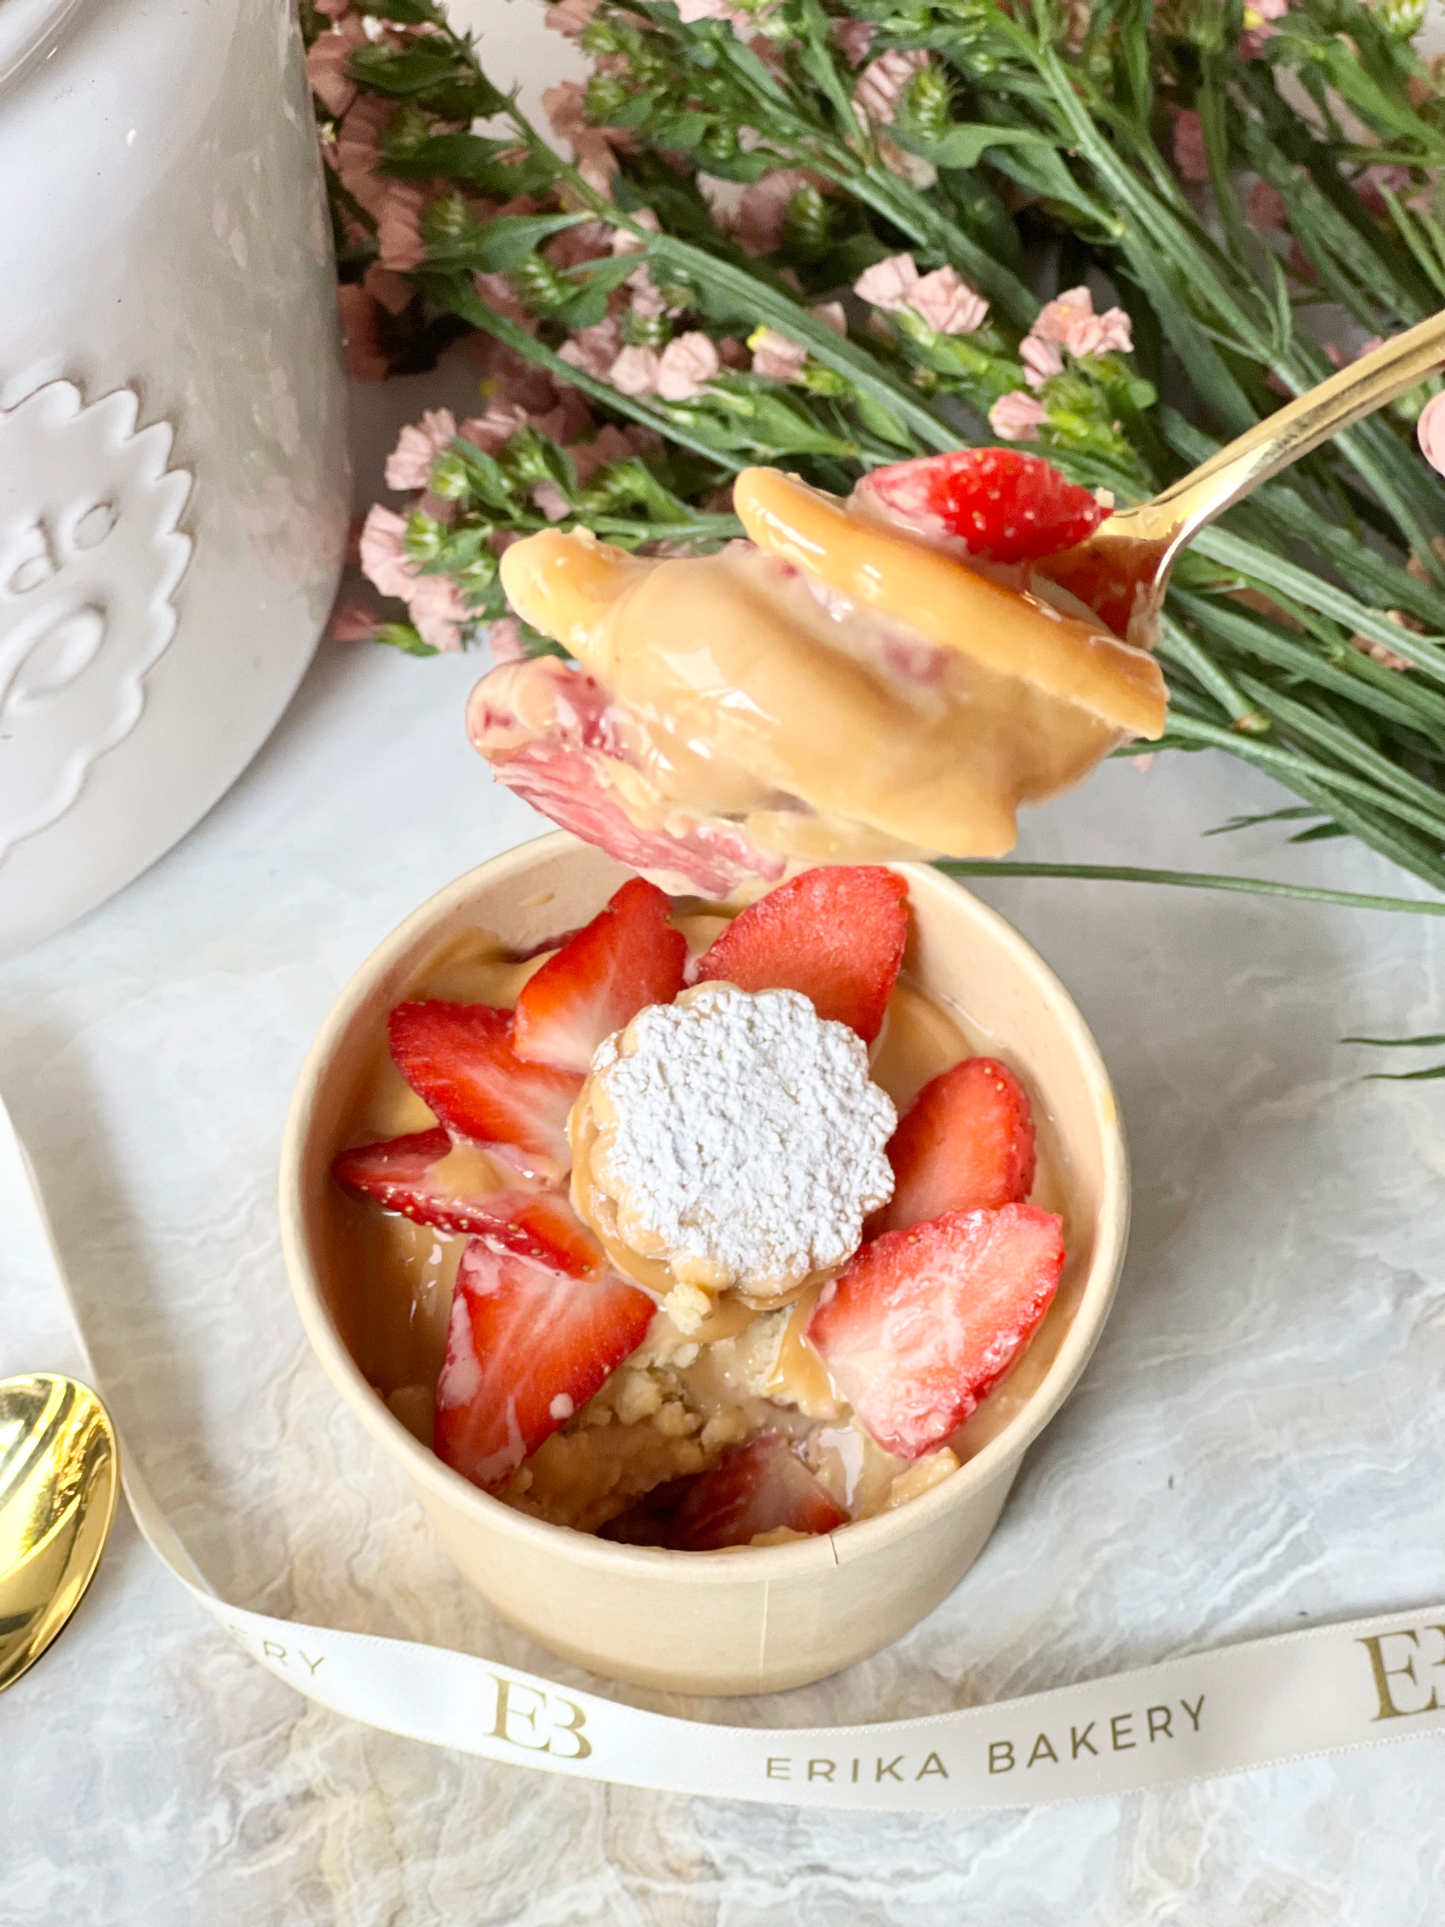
1122	571
59	1473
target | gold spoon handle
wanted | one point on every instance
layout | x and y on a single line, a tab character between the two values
1282	438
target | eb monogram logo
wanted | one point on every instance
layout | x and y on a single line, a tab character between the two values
525	1718
1408	1669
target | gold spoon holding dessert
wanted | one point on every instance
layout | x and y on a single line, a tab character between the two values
59	1473
1135	550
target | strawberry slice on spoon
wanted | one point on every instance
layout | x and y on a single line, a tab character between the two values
1003	506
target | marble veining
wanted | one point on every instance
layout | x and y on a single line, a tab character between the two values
1258	1442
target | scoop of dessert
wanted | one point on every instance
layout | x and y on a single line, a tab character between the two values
861	681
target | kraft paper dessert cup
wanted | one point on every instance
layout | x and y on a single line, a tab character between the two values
755	1619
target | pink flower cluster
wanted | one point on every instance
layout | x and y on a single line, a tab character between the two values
1259	19
943	300
780	359
1067	324
1069	321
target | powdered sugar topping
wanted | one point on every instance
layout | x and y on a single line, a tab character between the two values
741	1136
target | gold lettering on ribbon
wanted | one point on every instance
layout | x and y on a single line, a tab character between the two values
1383	1672
511	1711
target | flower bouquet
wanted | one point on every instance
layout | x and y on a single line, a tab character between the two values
836	237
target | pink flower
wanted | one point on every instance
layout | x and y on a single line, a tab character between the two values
1368	347
398	235
574	245
333	9
888	284
946	303
364	358
624	241
326	67
438	611
357	146
1265	207
635	371
691	11
1373	180
354	622
492	431
383	559
1258	16
593	350
1069	321
610	444
569	17
552	502
566	109
1189	152
1430	432
775	356
1041	360
883	83
387	289
1057	317
1103	334
1017	417
763	208
647	304
505	635
689	362
853	38
409	463
502	298
832	315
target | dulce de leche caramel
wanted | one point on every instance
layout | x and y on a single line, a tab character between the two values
842	690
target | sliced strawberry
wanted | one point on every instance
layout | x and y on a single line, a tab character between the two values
754	1487
1108	577
526	1348
459	1058
408	1174
626	958
1002	505
835	934
920	1324
965	1143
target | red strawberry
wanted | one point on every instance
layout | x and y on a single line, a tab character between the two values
965	1143
920	1324
835	934
1002	505
626	958
754	1487
526	1348
459	1058
1108	577
400	1175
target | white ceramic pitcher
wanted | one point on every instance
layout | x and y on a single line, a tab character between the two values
173	464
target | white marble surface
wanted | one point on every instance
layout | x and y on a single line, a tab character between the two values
1259	1441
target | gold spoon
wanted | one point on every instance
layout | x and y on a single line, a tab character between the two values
1123	570
59	1473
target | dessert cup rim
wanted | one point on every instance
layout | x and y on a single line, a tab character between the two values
741	1564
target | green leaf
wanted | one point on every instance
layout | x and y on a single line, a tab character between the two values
1191	880
505	243
966	142
401	635
1398	1043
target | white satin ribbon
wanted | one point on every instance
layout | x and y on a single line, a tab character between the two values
1253	1704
